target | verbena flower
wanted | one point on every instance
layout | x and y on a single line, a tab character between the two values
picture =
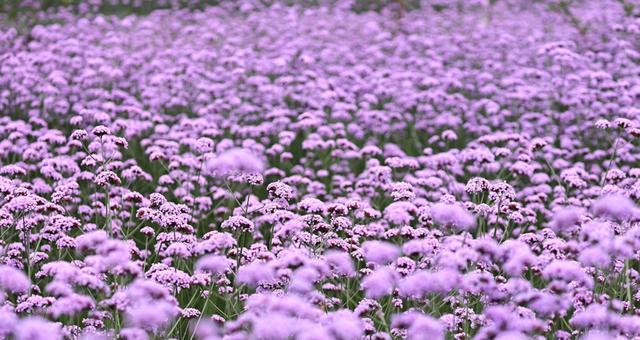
37	328
451	215
379	283
615	207
13	280
380	252
216	264
359	169
254	273
235	160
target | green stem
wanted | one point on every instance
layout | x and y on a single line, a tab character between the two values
627	275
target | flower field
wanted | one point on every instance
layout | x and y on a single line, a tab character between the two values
436	169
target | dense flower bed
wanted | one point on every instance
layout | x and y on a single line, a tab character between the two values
289	172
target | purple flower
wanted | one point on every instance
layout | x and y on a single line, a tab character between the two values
423	283
275	326
235	223
595	257
452	215
215	264
379	283
13	280
132	333
616	207
312	166
598	335
151	316
344	324
418	325
566	218
34	328
380	252
254	273
594	315
107	178
565	270
518	257
70	305
234	161
100	131
340	262
280	190
8	322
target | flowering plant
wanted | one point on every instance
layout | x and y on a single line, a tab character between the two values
266	170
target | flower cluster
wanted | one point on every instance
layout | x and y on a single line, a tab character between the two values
262	170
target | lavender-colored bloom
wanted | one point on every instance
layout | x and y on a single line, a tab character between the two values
616	207
400	213
132	333
380	252
422	283
379	283
344	324
567	271
512	335
314	163
235	160
594	315
275	326
303	279
235	223
418	325
280	190
107	178
8	322
598	335
340	262
566	218
205	329
70	305
216	264
254	273
519	257
452	215
35	328
595	256
91	240
151	316
13	280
